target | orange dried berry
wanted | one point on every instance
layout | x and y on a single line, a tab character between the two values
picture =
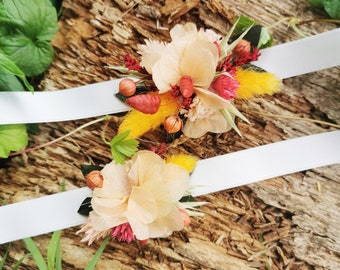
242	48
185	217
94	179
144	103
186	86
173	124
127	87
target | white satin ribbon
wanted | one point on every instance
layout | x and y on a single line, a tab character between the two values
50	213
59	211
285	60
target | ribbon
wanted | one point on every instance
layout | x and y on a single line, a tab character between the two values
59	211
285	60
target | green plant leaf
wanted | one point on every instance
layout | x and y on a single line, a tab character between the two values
18	263
86	169
12	138
332	7
52	250
36	19
8	66
96	256
8	82
37	256
4	257
122	148
32	57
85	207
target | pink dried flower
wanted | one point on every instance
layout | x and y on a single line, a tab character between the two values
225	86
123	233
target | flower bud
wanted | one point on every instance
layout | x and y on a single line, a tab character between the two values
242	48
186	86
127	87
173	124
185	217
94	179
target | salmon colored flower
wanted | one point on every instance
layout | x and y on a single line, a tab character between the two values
205	115
144	192
191	53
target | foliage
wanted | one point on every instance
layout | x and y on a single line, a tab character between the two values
26	27
121	148
332	7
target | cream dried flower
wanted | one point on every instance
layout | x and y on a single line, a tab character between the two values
190	53
144	192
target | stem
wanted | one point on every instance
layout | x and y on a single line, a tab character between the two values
298	118
319	20
105	118
278	22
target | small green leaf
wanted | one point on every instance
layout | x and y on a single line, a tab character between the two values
266	39
18	263
86	169
52	250
316	3
230	120
96	256
242	24
37	256
122	148
9	82
12	138
8	66
333	8
85	207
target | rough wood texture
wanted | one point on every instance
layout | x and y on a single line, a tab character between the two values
288	222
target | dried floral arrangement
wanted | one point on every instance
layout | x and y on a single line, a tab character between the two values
186	85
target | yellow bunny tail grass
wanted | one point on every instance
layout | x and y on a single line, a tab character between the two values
253	83
139	123
188	162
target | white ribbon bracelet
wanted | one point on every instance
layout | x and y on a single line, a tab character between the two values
59	211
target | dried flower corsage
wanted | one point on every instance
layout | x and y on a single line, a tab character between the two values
146	197
189	83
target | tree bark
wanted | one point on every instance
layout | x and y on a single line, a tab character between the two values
289	222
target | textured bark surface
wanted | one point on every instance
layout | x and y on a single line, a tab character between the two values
288	222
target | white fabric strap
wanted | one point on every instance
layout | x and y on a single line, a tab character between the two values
285	60
59	211
302	56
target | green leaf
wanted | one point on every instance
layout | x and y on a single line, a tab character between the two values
36	19
333	8
4	257
266	39
86	169
85	207
37	256
316	3
12	138
96	256
52	250
32	57
242	24
121	148
8	66
18	263
258	35
8	82
228	117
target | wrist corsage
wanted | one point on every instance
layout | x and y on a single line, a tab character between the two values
188	84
